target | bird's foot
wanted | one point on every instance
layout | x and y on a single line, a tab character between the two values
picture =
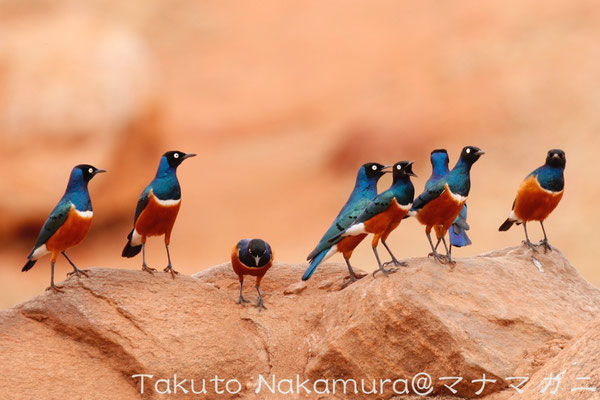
171	270
384	271
242	301
260	305
396	263
350	279
532	246
439	258
55	289
546	245
148	269
78	272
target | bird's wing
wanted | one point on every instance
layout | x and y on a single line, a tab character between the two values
378	205
142	202
57	218
429	194
345	218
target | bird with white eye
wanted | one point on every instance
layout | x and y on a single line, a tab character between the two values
251	257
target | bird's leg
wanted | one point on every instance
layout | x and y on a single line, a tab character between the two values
353	277
448	253
394	259
260	304
434	252
241	299
144	265
527	241
385	272
76	271
52	286
545	241
170	266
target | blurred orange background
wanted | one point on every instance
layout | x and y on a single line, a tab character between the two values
283	101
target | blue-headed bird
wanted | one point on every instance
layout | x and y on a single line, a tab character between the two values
157	209
365	190
385	212
538	196
439	205
251	257
68	224
458	230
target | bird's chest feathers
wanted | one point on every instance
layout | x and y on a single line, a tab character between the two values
158	217
241	269
392	216
442	210
534	202
73	231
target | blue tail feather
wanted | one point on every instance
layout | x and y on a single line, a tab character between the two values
460	238
314	264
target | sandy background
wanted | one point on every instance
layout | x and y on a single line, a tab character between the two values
283	102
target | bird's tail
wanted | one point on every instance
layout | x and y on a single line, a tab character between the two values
130	250
460	238
314	264
506	225
29	265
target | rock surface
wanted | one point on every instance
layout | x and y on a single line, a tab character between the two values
494	314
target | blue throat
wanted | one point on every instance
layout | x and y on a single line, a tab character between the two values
165	185
365	186
459	179
77	191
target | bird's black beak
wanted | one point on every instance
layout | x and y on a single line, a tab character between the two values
479	152
409	170
383	169
99	171
188	155
556	155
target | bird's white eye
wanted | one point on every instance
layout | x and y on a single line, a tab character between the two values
176	155
90	170
374	167
398	166
468	151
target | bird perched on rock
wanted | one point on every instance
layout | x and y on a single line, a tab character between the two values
365	190
251	257
68	224
385	212
157	209
458	230
439	205
538	196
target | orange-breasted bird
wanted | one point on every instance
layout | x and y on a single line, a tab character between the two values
385	212
157	209
68	224
365	190
538	196
439	205
251	257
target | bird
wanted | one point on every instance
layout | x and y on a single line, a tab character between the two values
157	209
439	205
365	190
538	195
385	212
68	224
251	257
458	230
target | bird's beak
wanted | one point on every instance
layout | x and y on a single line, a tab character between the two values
383	169
555	155
409	170
99	171
480	152
188	155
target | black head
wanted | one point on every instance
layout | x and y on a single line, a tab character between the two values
257	247
375	170
470	154
403	169
88	171
556	158
174	158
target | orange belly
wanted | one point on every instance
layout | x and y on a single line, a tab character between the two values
71	233
240	269
385	222
156	219
347	245
440	213
533	203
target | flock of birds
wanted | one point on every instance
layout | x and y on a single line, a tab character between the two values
441	208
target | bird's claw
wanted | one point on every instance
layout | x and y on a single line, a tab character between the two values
384	271
530	245
396	263
242	301
78	272
261	305
546	245
148	269
350	280
171	270
55	289
440	258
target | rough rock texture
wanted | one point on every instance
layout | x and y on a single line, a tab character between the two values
494	314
